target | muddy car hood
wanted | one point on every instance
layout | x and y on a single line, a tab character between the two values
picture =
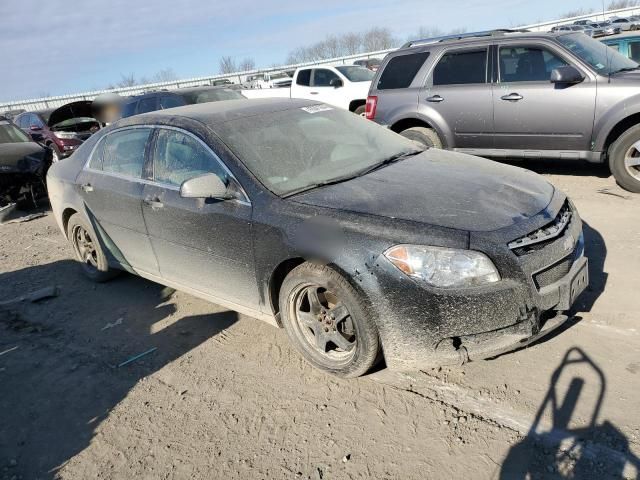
441	188
21	157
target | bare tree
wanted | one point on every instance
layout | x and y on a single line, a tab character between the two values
378	39
128	80
616	4
351	43
165	75
228	65
246	65
332	46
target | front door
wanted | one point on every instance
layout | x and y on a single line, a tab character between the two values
111	186
458	94
530	112
204	244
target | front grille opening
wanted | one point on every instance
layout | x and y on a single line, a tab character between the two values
553	273
539	239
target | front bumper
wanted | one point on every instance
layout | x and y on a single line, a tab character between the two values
422	327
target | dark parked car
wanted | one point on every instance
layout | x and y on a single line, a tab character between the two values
515	95
315	219
61	129
163	99
23	166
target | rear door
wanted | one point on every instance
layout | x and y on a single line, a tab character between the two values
202	244
111	185
322	90
530	112
458	94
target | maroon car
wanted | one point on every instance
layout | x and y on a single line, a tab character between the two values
62	129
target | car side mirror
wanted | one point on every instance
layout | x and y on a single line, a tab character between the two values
208	185
336	83
35	128
566	75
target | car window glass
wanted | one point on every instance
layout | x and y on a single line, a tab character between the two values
11	134
615	46
322	77
179	157
19	121
401	70
171	101
527	64
129	109
124	152
461	67
95	162
634	51
147	105
304	77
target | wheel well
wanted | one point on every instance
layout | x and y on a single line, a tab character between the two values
66	215
355	104
408	123
277	277
620	128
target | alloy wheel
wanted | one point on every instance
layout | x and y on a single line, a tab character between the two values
632	160
85	248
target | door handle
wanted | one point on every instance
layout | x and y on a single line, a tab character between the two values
154	203
435	99
86	187
512	97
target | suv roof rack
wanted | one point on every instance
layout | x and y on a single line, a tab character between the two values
460	36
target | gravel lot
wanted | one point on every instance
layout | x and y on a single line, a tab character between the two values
225	396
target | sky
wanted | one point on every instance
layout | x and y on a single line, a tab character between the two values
58	47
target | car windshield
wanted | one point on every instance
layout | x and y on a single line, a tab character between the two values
11	134
356	74
602	58
213	95
298	149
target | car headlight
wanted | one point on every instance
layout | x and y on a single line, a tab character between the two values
443	267
65	135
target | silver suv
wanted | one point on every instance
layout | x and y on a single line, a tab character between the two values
506	94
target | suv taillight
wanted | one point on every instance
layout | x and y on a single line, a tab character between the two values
370	107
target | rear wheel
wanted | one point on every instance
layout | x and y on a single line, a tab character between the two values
325	318
426	137
624	159
88	251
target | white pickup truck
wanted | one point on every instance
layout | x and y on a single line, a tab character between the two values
345	86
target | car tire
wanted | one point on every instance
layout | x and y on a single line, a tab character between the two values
624	159
360	110
88	250
318	307
423	135
55	153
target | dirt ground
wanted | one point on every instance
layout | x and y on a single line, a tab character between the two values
226	396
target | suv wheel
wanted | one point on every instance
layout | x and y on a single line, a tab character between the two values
423	135
326	320
624	159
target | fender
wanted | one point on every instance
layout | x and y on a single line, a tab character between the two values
613	115
429	116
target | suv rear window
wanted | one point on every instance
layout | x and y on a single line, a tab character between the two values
461	67
401	70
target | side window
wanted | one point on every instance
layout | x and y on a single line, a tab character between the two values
457	68
634	51
171	101
129	109
95	162
401	70
147	104
19	121
304	78
123	152
35	120
322	77
527	64
179	157
615	46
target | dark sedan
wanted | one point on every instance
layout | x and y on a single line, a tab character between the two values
346	234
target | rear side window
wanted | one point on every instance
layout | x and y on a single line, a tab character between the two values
401	70
634	51
457	68
123	152
304	78
179	157
129	109
147	105
171	101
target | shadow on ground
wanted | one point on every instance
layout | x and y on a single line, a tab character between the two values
58	359
573	447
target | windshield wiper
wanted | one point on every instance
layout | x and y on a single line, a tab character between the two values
351	176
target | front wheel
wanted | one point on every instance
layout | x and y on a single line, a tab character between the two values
326	320
88	250
624	159
424	136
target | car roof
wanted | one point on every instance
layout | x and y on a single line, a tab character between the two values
478	37
212	113
153	93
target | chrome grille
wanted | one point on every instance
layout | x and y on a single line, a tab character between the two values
538	239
